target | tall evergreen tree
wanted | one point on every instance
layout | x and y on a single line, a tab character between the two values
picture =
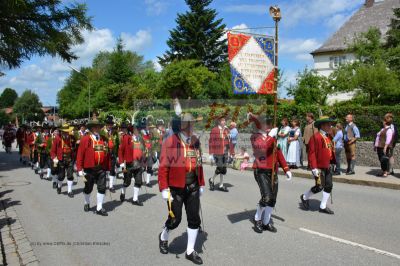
393	42
8	98
198	35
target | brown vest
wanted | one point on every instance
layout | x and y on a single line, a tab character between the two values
382	139
350	133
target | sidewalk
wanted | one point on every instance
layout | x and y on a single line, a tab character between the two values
365	176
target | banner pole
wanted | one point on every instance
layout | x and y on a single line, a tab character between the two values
275	12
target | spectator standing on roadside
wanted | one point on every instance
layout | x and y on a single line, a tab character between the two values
351	134
384	144
309	131
338	140
394	141
283	135
293	156
234	136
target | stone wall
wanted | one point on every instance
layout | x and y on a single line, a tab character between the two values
365	154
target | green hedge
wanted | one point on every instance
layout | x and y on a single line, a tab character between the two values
367	118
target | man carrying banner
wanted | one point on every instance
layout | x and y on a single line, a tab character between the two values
131	158
218	150
266	159
92	162
321	159
181	182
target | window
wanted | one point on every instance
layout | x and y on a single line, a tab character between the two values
336	61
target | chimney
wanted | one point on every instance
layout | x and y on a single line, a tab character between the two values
369	3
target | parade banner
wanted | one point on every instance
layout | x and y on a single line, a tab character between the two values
252	63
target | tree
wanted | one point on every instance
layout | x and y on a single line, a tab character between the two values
28	107
4	119
184	79
198	36
367	46
8	97
310	88
40	27
393	43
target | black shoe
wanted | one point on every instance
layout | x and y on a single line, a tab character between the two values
336	173
194	257
392	173
163	245
112	189
326	210
148	185
350	173
211	183
41	176
36	171
223	189
137	203
269	227
54	184
122	197
305	203
70	194
258	227
86	208
102	212
58	190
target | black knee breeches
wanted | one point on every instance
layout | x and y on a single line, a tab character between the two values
323	182
132	172
221	161
65	168
95	176
191	199
269	194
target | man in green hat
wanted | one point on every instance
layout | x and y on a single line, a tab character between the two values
321	158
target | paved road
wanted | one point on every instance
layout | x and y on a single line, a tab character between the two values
363	215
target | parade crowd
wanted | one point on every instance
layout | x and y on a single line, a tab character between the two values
98	153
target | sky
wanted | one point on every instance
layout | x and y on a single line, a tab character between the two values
144	27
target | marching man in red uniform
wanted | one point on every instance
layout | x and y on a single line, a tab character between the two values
62	155
321	157
29	143
131	157
181	182
263	142
92	162
219	143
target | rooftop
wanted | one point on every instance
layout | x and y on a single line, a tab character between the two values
371	14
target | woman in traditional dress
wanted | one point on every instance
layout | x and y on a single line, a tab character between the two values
293	155
283	135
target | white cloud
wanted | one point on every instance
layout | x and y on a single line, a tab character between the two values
336	21
155	7
157	65
48	74
304	57
298	46
138	42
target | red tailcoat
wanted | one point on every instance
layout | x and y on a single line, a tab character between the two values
87	157
321	151
218	143
60	146
263	148
130	150
30	138
177	160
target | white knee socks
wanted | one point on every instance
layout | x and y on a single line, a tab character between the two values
325	197
259	212
267	215
135	193
307	195
148	178
123	189
221	180
100	198
192	235
165	234
213	178
87	198
48	172
111	181
70	183
59	183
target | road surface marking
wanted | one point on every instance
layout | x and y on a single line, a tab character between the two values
354	244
